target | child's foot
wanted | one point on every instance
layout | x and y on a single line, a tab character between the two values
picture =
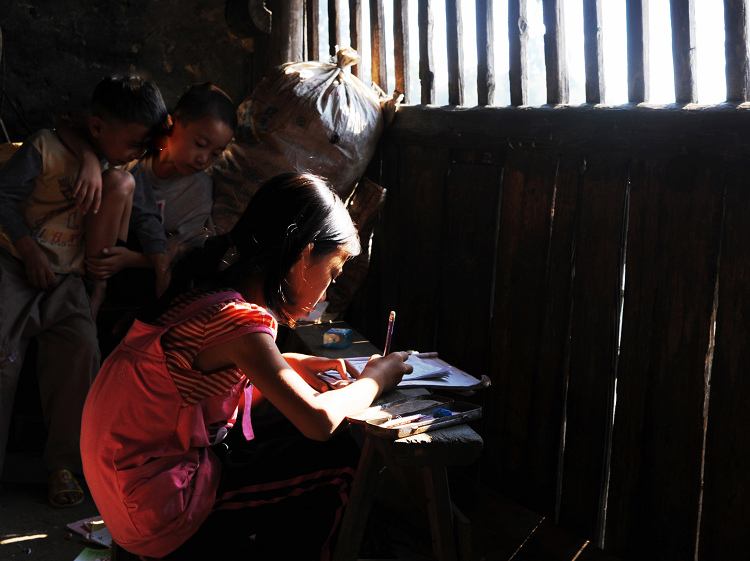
64	489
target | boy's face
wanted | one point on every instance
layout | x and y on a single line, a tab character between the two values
192	147
118	142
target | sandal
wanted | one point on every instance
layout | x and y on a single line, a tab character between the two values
60	483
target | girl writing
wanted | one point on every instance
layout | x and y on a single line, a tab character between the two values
171	468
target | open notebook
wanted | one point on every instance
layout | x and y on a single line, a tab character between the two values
429	371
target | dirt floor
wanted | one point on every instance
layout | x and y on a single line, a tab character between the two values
30	529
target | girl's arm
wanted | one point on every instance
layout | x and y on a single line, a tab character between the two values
315	414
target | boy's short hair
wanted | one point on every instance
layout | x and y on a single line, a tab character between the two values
130	99
205	99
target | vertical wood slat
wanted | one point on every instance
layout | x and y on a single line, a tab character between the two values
524	408
726	491
485	52
377	44
455	47
518	42
683	50
594	314
592	51
355	30
426	58
466	283
736	50
636	14
401	46
312	13
555	58
672	253
334	31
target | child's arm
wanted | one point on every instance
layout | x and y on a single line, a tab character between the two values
316	414
88	186
16	185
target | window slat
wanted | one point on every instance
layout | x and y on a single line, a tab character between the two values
592	50
485	52
355	30
334	34
377	44
312	13
554	52
426	59
454	41
736	53
683	50
518	42
637	26
401	46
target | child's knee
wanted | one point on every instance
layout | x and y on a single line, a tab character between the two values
118	183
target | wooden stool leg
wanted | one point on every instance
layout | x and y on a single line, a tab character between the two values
439	509
356	512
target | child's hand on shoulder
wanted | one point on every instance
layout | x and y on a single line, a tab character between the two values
88	186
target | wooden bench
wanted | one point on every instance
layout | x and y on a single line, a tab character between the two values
422	458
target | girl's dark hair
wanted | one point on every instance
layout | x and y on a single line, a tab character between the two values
203	100
286	214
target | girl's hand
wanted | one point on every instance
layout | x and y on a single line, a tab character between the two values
117	259
387	371
308	367
88	186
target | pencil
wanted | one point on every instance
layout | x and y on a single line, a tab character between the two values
389	333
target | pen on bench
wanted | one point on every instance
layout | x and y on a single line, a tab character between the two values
389	333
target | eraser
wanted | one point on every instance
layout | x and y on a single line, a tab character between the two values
337	338
440	412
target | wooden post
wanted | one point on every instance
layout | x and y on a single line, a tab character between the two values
592	50
377	44
485	53
683	50
312	13
334	33
736	52
518	42
401	46
355	30
554	52
455	45
426	60
637	29
287	32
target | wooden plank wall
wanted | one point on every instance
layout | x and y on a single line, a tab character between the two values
503	245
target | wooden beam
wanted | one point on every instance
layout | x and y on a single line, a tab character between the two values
592	50
555	57
636	15
377	44
334	33
455	46
485	53
287	42
426	59
683	50
355	30
312	14
736	52
518	42
401	46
